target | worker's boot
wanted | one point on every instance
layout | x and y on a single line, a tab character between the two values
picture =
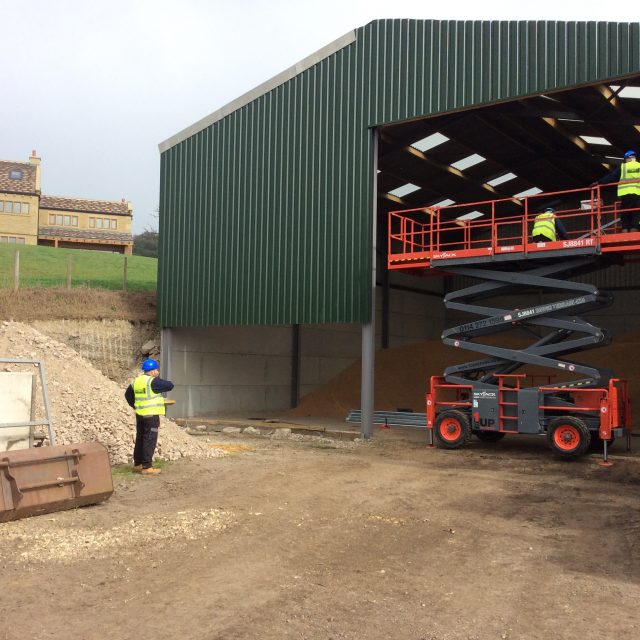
137	468
150	471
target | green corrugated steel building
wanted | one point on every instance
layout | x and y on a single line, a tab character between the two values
266	207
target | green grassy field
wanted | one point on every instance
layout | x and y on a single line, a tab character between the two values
47	267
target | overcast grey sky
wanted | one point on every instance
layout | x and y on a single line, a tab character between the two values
95	85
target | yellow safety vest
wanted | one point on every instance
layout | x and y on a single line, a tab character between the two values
147	401
545	225
629	171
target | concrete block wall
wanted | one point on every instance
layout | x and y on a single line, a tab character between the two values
413	317
220	370
416	309
325	351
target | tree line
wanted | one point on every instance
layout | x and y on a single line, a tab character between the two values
146	244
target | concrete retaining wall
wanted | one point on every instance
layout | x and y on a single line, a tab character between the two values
220	370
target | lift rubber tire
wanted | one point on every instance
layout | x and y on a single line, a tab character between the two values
452	429
489	436
568	437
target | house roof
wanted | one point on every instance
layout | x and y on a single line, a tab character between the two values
61	203
25	183
77	234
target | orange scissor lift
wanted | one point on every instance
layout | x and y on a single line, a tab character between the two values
489	241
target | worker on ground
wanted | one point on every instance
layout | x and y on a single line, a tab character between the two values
143	394
547	227
628	177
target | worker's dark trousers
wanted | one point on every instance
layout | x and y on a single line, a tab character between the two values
146	440
630	219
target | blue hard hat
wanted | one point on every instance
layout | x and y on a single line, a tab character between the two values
629	154
149	365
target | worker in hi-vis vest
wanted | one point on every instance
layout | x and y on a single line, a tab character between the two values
548	228
143	394
628	177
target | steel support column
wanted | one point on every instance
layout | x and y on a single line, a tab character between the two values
369	328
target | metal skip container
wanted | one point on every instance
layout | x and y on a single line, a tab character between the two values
46	479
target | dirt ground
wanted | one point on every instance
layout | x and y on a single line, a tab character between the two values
384	539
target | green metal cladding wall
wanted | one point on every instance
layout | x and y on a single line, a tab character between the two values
265	216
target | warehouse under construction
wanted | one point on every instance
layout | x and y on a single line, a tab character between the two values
385	191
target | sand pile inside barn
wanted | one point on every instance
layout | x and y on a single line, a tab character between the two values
85	404
402	374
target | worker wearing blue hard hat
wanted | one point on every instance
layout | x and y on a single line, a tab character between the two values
150	365
627	175
144	394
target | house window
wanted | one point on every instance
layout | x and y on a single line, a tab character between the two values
3	239
25	208
99	223
59	219
12	240
15	174
20	240
67	221
52	218
114	224
1	206
92	222
74	221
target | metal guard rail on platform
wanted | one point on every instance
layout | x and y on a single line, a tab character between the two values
418	237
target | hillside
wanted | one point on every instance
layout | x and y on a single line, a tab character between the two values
47	267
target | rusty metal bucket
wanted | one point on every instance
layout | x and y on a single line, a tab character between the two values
42	480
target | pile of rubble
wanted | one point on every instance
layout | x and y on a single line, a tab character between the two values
86	405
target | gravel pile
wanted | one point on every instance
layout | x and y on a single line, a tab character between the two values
85	404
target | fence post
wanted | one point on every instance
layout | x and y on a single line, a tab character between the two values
16	270
124	276
69	260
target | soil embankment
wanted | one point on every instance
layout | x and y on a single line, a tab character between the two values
108	328
81	303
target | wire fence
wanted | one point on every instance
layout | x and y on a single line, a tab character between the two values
21	269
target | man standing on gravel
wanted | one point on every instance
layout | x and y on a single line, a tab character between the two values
143	395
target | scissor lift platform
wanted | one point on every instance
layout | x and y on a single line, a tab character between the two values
489	241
